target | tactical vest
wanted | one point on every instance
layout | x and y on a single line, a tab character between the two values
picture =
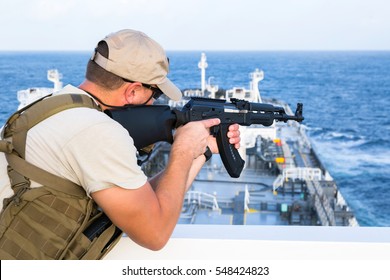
57	220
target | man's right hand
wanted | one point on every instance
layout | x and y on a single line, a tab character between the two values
192	138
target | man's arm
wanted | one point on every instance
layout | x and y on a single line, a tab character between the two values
149	214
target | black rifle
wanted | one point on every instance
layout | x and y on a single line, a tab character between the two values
150	124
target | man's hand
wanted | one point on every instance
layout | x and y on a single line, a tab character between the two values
194	137
233	135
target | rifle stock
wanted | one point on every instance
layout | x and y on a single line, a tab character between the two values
146	124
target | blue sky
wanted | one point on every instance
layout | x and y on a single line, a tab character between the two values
198	24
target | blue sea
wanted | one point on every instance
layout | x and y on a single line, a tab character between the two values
346	97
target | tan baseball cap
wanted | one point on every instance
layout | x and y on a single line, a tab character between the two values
134	56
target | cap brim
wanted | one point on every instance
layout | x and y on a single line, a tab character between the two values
170	90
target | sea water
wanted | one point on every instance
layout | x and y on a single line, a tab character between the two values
346	97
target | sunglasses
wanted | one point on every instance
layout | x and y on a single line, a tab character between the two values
156	92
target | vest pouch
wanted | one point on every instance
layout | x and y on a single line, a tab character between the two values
97	239
103	244
45	224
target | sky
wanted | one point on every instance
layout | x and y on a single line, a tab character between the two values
77	25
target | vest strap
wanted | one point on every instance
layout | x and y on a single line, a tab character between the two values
43	177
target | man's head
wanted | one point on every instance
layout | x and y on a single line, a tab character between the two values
133	57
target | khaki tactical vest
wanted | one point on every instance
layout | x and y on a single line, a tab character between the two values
58	220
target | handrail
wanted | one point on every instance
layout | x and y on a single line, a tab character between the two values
202	198
301	173
246	198
313	177
321	203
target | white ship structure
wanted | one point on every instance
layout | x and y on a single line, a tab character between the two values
27	96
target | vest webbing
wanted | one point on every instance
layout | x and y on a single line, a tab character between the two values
48	222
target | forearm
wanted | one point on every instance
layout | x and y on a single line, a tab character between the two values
149	214
170	187
197	164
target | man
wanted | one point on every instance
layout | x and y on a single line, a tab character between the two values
90	149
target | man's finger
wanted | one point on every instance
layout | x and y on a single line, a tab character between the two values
211	122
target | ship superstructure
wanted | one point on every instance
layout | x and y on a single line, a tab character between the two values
27	96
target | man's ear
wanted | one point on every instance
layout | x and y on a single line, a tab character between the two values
131	90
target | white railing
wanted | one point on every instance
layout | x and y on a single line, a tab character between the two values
321	203
202	198
246	198
278	182
301	173
312	176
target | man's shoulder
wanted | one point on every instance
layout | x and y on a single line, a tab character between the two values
70	89
79	119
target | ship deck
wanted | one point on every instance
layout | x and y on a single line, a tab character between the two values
295	191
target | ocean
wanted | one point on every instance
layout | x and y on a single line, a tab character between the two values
346	97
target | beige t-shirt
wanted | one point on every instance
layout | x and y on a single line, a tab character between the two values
82	145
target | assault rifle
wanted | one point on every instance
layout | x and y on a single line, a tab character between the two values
150	124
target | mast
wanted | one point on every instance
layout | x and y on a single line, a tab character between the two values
256	76
203	65
54	76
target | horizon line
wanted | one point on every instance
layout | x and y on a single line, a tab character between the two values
212	50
